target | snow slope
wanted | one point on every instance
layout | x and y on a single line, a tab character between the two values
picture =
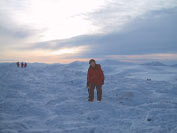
53	99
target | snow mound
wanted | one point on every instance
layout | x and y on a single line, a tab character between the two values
155	63
175	65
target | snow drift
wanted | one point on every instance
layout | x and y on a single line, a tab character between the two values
53	99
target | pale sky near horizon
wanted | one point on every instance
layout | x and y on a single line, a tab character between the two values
62	31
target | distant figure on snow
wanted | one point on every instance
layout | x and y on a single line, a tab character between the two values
18	64
95	78
25	65
22	64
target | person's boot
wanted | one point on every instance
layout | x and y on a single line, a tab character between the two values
90	100
99	100
99	94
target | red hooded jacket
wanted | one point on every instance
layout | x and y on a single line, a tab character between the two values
95	75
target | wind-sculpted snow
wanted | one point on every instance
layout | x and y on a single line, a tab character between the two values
52	98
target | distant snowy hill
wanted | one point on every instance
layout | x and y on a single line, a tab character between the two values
52	98
154	64
77	64
175	65
113	62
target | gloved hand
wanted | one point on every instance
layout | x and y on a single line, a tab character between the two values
88	85
102	82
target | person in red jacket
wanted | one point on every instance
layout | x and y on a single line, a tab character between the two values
22	64
95	78
18	64
25	65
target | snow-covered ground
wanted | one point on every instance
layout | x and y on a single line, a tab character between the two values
53	99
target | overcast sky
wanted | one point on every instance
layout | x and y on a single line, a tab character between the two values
63	31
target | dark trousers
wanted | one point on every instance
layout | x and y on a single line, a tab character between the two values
91	92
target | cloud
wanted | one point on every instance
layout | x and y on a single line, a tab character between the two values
57	18
136	27
117	14
12	37
155	32
145	57
13	34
